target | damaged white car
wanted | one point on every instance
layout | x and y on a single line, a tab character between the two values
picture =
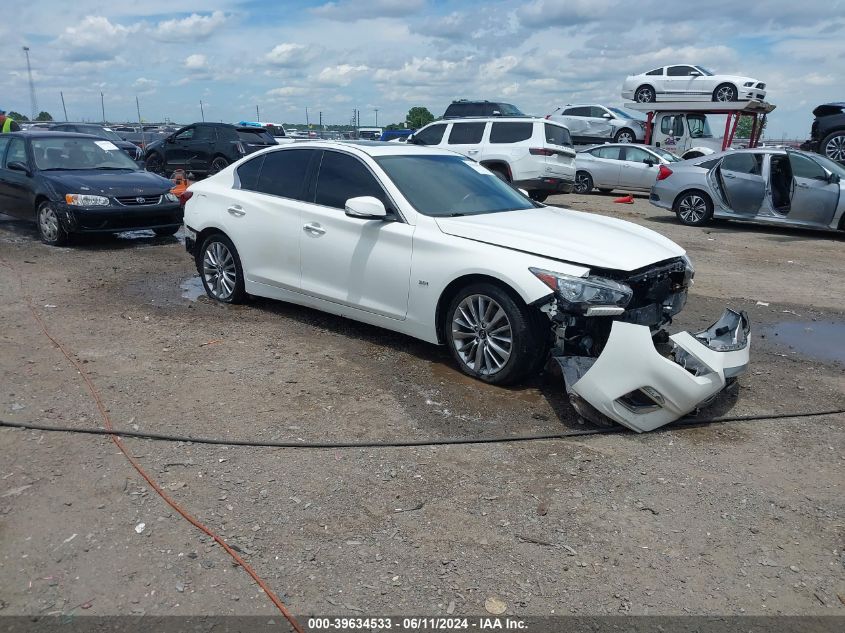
429	243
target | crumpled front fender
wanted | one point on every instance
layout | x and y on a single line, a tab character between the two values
637	386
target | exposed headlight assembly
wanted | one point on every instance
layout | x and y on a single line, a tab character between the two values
593	296
171	197
86	200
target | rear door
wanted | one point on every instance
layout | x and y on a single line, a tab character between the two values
606	166
740	175
639	169
357	262
814	197
465	138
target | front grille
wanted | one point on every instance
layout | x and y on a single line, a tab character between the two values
138	201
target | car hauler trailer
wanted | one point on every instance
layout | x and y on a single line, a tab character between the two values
682	127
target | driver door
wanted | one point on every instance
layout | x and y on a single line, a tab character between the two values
600	122
357	262
176	152
636	173
679	80
814	197
740	175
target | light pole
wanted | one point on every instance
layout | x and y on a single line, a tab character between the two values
376	111
32	101
103	107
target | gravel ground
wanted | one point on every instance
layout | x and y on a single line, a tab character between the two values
724	519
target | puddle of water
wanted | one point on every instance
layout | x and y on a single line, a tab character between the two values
192	288
819	340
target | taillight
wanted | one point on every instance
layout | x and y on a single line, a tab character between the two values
664	172
185	196
240	148
548	116
541	151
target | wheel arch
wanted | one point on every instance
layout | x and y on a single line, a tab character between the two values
499	165
204	234
726	83
452	289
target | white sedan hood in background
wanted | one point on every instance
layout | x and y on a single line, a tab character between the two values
571	236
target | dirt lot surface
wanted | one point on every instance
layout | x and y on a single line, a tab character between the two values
723	519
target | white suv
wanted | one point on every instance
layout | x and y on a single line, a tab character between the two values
533	154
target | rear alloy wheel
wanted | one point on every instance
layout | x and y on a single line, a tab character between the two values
49	227
645	94
538	196
725	93
154	164
220	269
218	164
624	136
694	209
491	336
833	146
583	183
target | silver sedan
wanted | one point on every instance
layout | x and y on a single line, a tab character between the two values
767	185
619	166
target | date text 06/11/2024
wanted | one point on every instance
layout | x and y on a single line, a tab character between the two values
415	624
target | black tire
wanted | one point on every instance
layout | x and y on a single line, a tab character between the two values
645	94
833	146
213	275
218	163
725	93
693	208
155	164
538	196
167	231
527	340
49	226
583	183
605	190
625	135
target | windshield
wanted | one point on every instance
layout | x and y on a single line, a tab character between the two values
698	126
627	115
668	156
449	186
79	153
705	72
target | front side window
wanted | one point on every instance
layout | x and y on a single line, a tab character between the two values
672	126
637	155
698	126
597	112
803	167
466	133
203	133
743	163
283	173
17	152
511	132
185	135
449	186
679	71
612	152
342	177
431	135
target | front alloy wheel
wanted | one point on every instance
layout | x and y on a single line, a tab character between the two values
220	269
694	209
482	335
725	93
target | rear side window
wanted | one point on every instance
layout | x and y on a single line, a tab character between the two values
557	135
612	152
248	173
464	133
342	177
259	137
743	163
431	135
283	173
511	132
579	111
227	134
463	109
656	71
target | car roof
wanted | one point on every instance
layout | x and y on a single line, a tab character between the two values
49	133
495	119
371	148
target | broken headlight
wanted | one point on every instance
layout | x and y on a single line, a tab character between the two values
592	296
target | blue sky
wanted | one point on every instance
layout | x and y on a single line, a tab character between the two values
394	54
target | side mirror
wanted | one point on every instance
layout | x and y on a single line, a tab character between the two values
833	179
649	162
16	165
169	139
607	115
365	207
694	73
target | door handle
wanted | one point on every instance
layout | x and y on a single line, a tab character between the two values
236	210
472	151
315	228
803	185
728	175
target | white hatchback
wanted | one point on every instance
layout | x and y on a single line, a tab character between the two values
533	154
434	245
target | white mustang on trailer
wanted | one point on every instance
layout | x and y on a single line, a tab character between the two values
429	243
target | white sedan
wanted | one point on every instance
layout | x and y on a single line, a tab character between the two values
683	82
430	243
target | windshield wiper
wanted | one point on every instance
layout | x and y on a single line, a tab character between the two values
59	169
112	168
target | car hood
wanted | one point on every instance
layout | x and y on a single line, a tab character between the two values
571	236
737	79
107	183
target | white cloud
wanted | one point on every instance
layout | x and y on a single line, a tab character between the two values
290	55
360	10
142	85
197	61
192	28
93	39
287	91
341	75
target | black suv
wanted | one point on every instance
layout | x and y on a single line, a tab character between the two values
132	151
205	148
463	108
827	136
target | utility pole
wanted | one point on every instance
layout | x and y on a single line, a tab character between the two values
140	123
257	115
321	119
307	120
202	111
33	104
63	104
376	111
103	108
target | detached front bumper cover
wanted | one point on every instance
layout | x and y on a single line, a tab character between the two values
634	384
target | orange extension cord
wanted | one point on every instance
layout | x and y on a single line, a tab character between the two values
137	466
